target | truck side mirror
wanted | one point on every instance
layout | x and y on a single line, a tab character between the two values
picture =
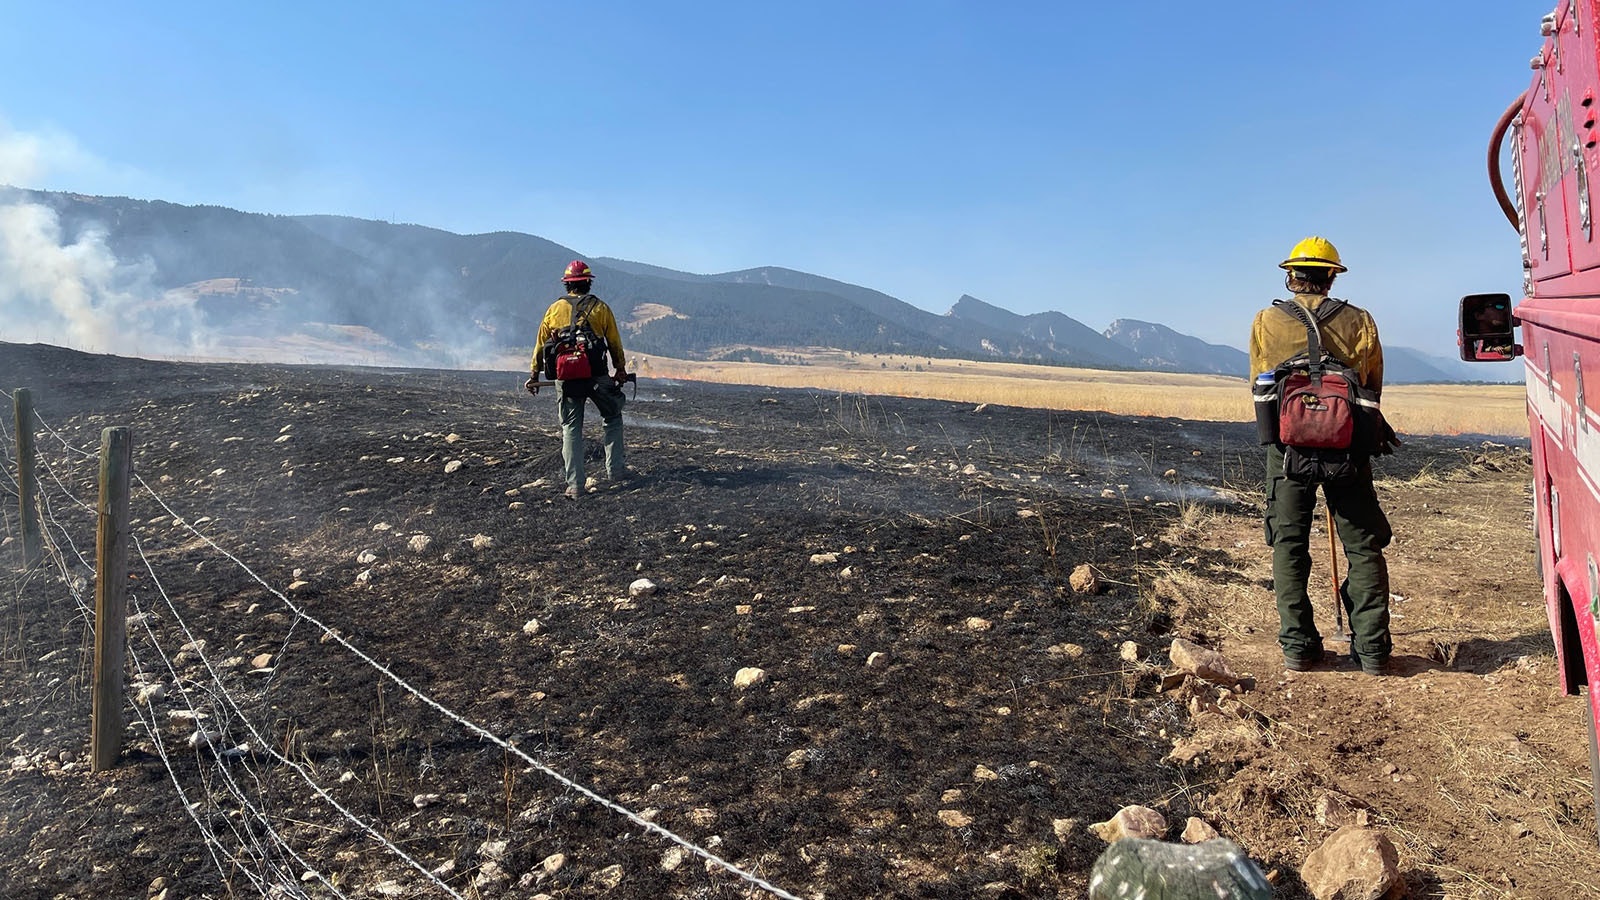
1487	331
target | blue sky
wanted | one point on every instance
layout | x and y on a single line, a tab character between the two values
1150	161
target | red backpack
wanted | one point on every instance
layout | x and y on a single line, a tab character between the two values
1321	403
575	353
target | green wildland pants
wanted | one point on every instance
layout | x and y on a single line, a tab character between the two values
1364	531
608	399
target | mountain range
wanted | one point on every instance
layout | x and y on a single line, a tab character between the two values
207	276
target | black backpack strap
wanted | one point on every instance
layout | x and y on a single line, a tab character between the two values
581	309
1314	352
1329	308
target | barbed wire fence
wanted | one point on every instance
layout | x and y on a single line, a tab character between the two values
226	772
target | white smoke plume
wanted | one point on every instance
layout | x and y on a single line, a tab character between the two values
70	289
62	283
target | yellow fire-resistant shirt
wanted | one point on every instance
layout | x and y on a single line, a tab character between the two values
600	318
1350	336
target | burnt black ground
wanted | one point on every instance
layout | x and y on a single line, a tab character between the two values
941	514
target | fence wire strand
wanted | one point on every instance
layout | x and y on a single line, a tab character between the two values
266	746
214	844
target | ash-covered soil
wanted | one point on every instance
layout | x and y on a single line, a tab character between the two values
410	639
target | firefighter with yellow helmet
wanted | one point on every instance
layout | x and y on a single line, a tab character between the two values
1349	336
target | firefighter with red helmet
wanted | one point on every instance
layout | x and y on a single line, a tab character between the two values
576	336
1350	336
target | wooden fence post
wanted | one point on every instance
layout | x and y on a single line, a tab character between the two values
27	484
110	597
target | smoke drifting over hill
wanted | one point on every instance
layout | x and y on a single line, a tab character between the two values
69	288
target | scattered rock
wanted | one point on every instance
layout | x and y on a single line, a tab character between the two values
261	661
495	850
1084	580
453	465
423	800
981	408
482	542
1202	662
877	660
749	677
419	543
703	817
673	858
204	737
1144	868
490	875
977	623
822	559
366	557
1129	651
532	626
1063	828
984	773
1131	821
608	878
1066	649
552	864
954	818
1170	474
1354	863
642	587
150	693
1198	831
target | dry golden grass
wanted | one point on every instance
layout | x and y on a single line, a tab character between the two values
1495	409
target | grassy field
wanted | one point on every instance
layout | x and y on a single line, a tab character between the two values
1492	409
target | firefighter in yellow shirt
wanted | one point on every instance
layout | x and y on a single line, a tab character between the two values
1351	336
582	313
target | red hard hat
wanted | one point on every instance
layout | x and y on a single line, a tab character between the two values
578	270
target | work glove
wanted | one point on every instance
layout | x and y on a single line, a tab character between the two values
532	384
1388	441
621	378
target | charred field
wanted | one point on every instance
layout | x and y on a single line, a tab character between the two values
374	652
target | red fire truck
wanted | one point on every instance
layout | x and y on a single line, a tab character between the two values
1554	131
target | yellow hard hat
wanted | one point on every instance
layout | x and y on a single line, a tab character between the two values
1314	253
